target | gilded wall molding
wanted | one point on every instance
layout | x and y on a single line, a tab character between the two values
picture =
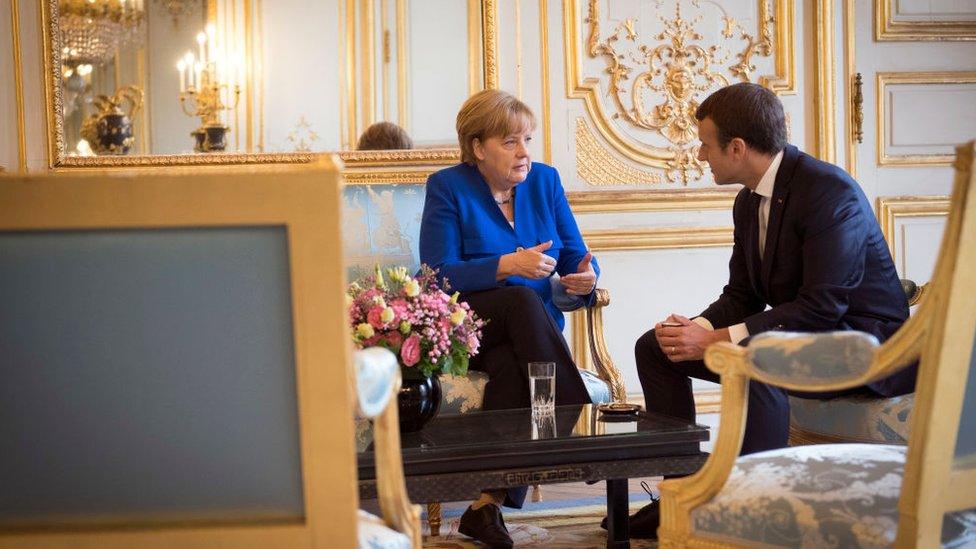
890	208
679	67
650	201
887	29
544	63
826	115
18	65
657	238
597	166
884	79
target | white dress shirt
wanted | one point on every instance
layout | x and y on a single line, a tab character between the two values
738	332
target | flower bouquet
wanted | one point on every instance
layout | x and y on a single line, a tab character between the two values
429	331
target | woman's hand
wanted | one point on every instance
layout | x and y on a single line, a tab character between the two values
583	280
528	263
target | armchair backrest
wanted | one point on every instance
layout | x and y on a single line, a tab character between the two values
940	471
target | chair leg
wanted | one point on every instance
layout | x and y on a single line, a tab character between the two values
536	493
434	518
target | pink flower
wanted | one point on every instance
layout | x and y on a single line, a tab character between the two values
373	317
410	351
473	344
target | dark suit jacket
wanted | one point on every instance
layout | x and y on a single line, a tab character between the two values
825	265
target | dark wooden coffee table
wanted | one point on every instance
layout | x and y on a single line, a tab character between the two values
455	457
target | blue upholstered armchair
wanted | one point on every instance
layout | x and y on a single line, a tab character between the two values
854	418
851	495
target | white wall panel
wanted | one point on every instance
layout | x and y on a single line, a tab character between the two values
917	246
648	285
928	119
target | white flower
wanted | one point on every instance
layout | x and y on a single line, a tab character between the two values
457	317
412	288
398	274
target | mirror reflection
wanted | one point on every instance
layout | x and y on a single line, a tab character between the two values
163	77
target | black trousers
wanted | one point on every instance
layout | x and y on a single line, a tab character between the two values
667	390
519	331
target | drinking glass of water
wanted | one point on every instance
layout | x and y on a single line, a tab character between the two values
542	388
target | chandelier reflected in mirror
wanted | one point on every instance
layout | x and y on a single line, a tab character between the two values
93	30
179	8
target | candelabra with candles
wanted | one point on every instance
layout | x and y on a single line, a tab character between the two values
209	85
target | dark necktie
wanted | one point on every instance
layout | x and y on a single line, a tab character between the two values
755	199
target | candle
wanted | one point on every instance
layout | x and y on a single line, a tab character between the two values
198	69
181	66
201	40
211	42
188	59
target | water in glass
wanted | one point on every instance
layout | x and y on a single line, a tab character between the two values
542	387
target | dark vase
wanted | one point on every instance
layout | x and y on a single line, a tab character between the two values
114	134
418	401
210	138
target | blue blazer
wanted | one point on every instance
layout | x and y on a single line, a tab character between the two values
825	265
463	233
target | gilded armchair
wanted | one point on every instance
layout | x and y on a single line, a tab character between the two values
874	495
855	418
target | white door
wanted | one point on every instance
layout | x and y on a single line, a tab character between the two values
919	101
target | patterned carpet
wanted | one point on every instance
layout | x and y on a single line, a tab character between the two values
554	524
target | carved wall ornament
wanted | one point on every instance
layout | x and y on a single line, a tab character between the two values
657	85
302	136
598	166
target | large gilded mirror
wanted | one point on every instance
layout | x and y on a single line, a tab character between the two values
168	82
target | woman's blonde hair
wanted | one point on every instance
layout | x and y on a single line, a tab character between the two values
490	113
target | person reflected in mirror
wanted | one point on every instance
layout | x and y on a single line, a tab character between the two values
498	228
383	136
807	256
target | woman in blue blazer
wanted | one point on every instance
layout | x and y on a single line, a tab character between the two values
497	227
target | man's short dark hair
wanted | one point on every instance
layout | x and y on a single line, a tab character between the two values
749	112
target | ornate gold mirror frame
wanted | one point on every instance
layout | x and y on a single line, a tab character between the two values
361	167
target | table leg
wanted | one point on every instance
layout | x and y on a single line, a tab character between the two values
434	518
618	535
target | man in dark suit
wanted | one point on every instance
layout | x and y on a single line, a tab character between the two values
808	256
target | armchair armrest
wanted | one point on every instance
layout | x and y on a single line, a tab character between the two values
377	379
593	355
377	382
785	358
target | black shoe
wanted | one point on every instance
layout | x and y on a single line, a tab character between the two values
643	524
486	525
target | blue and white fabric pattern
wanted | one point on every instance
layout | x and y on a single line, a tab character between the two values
827	495
855	418
373	533
376	373
812	358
